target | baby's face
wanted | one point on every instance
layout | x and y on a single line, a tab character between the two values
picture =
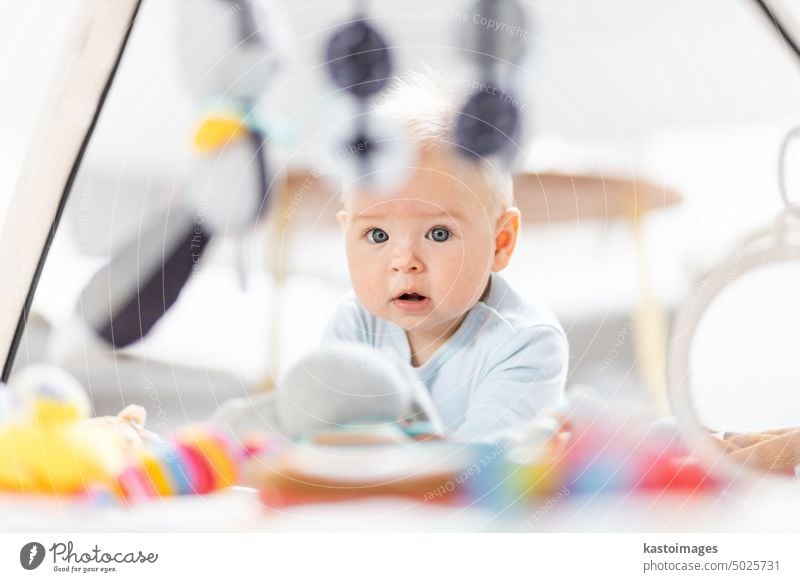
421	256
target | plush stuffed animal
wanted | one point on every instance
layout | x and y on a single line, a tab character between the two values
47	445
129	426
335	387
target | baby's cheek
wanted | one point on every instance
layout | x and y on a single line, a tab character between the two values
457	289
470	283
467	266
366	285
359	265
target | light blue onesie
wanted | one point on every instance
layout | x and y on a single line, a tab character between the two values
505	363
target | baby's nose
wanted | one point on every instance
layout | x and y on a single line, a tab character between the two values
406	261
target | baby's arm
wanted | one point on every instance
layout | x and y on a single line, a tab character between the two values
527	375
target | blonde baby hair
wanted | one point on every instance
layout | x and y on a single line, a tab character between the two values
427	104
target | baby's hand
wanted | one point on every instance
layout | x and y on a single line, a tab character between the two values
741	440
776	451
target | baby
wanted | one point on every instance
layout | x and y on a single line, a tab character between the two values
425	261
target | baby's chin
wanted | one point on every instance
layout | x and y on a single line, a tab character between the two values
424	320
429	323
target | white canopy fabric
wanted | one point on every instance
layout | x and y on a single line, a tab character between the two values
88	63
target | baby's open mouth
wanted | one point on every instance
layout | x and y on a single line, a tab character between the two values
412	302
411	297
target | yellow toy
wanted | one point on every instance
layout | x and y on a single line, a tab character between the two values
48	446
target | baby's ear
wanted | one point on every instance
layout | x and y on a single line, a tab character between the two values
341	216
505	239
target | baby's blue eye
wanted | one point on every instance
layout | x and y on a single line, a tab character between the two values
377	236
439	234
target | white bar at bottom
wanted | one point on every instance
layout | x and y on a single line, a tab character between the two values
405	557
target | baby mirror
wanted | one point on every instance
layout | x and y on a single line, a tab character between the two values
734	383
733	368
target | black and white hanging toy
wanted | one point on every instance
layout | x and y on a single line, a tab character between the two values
493	35
359	61
226	73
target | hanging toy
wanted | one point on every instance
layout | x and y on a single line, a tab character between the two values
228	193
373	154
490	121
